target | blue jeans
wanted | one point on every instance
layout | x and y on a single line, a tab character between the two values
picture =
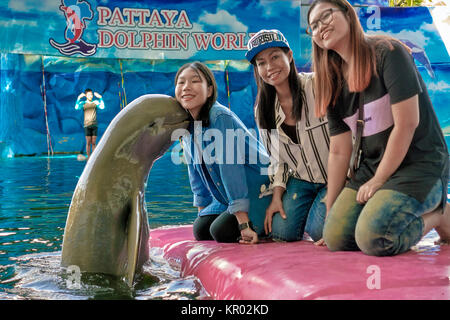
388	224
305	209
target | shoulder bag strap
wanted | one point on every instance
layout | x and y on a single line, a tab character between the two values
356	152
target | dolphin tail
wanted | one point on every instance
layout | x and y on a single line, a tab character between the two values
137	229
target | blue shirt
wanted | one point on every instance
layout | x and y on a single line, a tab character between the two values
98	101
224	161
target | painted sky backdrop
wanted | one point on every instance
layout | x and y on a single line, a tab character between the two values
28	26
176	29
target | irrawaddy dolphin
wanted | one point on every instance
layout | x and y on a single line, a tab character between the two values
107	226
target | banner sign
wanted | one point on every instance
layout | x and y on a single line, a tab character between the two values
156	29
195	30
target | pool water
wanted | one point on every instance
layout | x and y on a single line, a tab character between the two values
35	197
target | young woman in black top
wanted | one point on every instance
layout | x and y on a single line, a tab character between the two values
399	192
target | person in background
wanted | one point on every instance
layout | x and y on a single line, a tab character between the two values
297	141
399	191
89	105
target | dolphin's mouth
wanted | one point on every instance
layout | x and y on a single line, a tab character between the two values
159	126
168	124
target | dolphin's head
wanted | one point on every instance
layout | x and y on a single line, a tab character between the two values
107	228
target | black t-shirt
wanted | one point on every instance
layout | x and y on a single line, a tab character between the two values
427	158
291	131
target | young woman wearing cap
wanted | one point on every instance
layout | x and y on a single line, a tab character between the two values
225	176
399	191
295	139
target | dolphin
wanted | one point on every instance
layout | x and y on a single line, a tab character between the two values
107	226
420	55
74	23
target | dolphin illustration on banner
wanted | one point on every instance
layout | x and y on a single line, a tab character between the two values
76	13
421	56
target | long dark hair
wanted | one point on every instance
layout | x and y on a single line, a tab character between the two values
265	98
211	81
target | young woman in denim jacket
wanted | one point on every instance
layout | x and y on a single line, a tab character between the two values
399	192
297	141
226	163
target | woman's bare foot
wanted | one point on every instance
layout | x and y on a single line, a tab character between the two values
443	229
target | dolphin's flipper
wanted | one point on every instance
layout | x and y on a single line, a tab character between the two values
136	224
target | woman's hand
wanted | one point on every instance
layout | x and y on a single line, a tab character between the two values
368	189
320	243
248	236
97	95
406	116
275	206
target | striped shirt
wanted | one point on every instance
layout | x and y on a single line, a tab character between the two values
306	160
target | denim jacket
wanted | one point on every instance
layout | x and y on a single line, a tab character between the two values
224	160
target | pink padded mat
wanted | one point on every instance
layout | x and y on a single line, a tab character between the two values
300	270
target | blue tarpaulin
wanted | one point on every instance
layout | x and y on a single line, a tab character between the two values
42	47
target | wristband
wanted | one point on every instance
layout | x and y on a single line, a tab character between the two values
245	225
